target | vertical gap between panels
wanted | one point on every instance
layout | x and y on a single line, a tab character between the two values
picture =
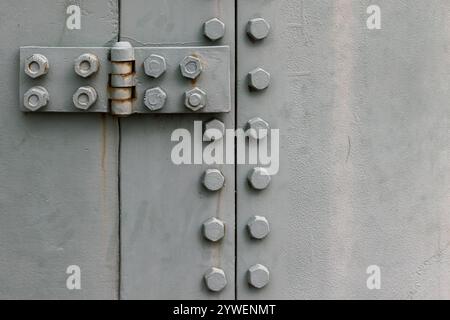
119	187
236	32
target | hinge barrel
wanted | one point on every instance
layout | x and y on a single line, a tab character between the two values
122	79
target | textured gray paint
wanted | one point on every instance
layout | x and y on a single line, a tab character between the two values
164	254
365	170
58	173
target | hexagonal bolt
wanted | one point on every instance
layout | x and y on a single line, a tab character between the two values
259	178
257	128
155	98
191	67
86	65
258	29
213	229
214	130
213	180
258	276
84	97
195	99
214	29
258	227
36	98
155	66
37	65
258	79
215	279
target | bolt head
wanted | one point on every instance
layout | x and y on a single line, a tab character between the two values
258	227
215	279
191	67
259	178
86	65
155	66
155	98
214	130
213	180
258	79
213	229
257	128
36	98
214	29
84	97
258	276
258	29
36	65
195	99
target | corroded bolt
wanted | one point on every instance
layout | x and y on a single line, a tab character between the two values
257	128
155	98
258	28
258	79
213	180
258	276
36	65
213	229
191	67
155	66
195	99
84	97
86	65
214	29
259	178
258	227
35	98
215	279
214	130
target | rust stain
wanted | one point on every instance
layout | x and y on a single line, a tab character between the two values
103	170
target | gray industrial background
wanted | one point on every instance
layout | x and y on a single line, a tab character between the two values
364	158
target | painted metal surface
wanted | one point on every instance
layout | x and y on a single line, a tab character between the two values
164	254
364	149
364	174
58	196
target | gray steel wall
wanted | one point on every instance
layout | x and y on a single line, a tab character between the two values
364	158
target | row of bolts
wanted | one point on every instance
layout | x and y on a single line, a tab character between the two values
87	64
258	226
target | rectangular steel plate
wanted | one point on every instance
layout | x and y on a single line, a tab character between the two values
61	81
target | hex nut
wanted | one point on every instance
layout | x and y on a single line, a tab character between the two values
84	97
259	178
155	66
258	227
258	29
257	128
258	79
155	98
36	65
215	279
213	180
36	98
195	99
214	29
258	276
86	65
213	229
214	130
191	67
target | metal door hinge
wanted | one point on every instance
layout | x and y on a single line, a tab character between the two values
123	80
